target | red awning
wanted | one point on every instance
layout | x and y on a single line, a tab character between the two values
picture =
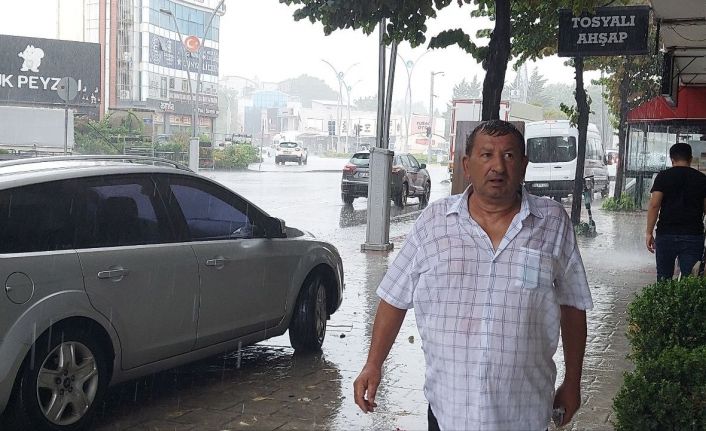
691	105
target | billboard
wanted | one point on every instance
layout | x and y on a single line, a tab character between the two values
173	54
31	68
610	31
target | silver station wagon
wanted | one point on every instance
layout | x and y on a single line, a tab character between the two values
114	268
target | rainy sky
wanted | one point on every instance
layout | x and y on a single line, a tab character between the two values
260	40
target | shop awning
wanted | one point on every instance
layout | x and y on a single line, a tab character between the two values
692	107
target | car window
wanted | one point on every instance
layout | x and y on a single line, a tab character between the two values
413	162
551	149
288	145
121	211
360	159
37	218
210	212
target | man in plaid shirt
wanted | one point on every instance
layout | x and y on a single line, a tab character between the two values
493	274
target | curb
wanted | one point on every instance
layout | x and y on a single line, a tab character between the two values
249	169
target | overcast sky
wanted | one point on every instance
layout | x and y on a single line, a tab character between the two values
260	39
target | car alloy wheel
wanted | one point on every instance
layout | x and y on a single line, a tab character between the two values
307	329
63	379
67	383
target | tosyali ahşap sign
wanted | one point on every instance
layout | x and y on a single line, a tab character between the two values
31	68
607	32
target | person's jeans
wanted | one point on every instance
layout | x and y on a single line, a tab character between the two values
687	248
431	419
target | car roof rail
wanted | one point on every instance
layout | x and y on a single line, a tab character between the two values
156	161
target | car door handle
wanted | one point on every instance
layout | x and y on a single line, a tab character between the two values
116	274
558	167
216	261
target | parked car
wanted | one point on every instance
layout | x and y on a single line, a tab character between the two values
409	179
291	152
116	268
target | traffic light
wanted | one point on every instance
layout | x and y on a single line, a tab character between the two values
331	127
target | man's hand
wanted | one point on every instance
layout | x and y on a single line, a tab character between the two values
365	386
650	242
569	397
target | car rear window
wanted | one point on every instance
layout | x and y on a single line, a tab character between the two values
360	159
288	144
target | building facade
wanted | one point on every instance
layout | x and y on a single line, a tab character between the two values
145	65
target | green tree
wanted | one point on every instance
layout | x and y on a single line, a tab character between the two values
307	88
467	90
369	103
406	21
629	82
535	89
476	88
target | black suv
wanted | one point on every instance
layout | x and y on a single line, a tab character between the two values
409	179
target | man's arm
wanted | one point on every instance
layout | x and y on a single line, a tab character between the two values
388	321
573	338
652	213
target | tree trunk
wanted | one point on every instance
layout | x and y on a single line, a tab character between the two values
495	64
583	110
622	130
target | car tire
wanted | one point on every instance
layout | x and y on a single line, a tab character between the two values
307	328
401	197
44	382
300	162
305	160
347	199
424	198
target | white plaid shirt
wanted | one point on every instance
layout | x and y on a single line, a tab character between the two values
489	319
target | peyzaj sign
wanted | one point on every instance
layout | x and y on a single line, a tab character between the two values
609	31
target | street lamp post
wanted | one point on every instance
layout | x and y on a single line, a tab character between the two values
340	76
194	141
188	73
348	99
200	56
430	132
409	68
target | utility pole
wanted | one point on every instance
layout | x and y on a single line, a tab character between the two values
430	130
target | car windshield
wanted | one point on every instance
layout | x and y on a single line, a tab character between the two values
551	149
360	159
288	145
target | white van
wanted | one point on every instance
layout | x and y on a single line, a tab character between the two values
552	146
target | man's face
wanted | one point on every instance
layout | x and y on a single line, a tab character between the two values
496	167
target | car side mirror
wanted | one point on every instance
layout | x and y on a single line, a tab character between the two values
275	228
423	166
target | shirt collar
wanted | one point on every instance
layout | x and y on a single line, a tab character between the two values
528	206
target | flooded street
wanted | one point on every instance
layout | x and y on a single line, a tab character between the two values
267	387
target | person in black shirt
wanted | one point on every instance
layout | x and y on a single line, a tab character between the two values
679	199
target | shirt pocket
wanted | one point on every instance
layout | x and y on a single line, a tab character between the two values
531	269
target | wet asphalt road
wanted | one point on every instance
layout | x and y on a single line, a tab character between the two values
267	387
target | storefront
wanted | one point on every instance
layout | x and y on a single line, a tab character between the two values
653	128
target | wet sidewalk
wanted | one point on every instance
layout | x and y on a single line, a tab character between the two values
267	387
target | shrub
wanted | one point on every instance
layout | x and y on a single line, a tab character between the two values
335	155
665	393
625	203
667	314
235	157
